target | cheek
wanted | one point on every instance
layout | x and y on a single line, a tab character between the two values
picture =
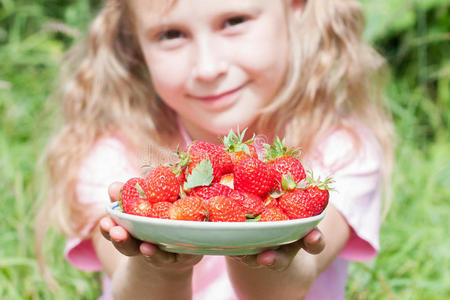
265	56
168	73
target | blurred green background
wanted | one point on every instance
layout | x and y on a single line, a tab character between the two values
412	34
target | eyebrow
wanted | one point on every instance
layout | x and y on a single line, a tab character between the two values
163	23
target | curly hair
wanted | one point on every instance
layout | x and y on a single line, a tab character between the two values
334	78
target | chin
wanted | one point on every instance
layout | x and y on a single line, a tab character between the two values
222	128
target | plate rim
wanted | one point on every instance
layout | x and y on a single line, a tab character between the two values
112	211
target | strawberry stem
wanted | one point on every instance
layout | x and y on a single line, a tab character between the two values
234	142
323	185
279	149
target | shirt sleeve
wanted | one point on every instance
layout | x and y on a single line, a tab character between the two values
356	170
107	162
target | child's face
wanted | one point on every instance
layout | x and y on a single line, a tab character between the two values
216	63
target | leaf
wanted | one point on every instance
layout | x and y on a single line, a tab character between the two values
276	194
201	175
254	219
140	191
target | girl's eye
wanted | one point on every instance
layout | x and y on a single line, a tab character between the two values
235	21
171	35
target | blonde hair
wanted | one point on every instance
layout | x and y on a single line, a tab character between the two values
107	90
334	79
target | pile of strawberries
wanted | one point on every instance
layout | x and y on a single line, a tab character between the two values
228	183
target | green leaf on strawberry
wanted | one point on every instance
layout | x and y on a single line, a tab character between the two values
201	175
140	190
234	142
279	149
253	219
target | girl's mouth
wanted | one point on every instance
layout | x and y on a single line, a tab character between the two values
222	100
218	96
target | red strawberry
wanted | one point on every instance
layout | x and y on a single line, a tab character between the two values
252	204
160	210
319	199
237	148
297	204
318	191
181	178
188	209
162	185
225	209
253	176
219	158
270	202
239	156
284	161
273	214
133	188
179	167
207	192
133	197
138	207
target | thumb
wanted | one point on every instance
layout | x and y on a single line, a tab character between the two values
114	191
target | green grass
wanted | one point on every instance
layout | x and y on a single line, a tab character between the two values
415	259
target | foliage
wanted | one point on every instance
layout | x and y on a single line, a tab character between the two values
412	34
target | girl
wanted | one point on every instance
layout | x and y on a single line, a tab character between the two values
155	74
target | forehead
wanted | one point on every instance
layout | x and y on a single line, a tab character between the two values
150	8
150	13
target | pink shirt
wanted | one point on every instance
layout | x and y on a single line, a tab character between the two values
356	196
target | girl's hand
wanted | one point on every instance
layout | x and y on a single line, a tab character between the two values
130	246
282	257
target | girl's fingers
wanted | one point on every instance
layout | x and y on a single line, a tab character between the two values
156	256
249	260
281	258
123	242
160	258
267	258
313	242
106	223
114	191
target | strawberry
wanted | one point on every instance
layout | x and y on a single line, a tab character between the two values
207	192
237	148
319	198
225	209
160	210
138	207
253	176
219	158
181	178
297	204
133	197
273	214
179	167
284	161
252	204
162	185
319	193
188	209
270	202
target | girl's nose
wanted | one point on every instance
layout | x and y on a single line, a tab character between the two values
209	64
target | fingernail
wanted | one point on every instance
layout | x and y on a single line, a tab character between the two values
316	237
271	263
105	223
267	258
147	250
